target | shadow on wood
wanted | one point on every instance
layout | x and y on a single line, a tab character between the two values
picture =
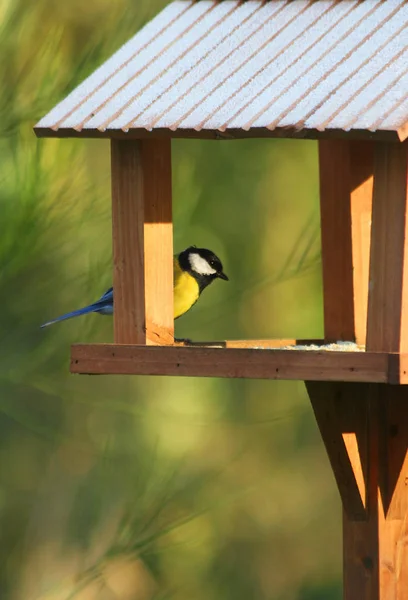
341	413
372	476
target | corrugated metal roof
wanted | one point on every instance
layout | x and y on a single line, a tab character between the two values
256	67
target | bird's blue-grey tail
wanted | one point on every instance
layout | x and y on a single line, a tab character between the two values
75	313
103	306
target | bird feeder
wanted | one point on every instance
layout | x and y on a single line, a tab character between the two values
331	70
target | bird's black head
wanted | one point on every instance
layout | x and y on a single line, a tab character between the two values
202	264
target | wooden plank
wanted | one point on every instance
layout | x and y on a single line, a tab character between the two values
338	304
398	368
250	343
229	362
158	241
345	204
341	415
362	166
388	294
393	451
376	550
254	132
360	537
128	244
142	241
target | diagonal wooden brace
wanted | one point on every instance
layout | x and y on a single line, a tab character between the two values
372	477
365	426
342	416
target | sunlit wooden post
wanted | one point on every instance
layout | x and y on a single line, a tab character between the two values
365	426
142	241
346	175
380	543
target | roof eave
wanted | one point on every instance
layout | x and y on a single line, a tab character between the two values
229	134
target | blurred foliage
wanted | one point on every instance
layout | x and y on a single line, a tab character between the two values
150	488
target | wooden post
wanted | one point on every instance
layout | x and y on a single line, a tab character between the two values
342	417
388	295
365	426
142	241
380	544
376	549
346	179
346	182
375	539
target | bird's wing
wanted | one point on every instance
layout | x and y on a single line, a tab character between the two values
108	295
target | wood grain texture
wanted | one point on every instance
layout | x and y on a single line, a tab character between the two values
345	205
254	132
375	550
388	289
375	530
142	241
128	244
249	343
398	372
229	362
393	451
341	415
361	197
158	241
361	559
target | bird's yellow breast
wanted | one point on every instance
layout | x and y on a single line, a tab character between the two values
186	290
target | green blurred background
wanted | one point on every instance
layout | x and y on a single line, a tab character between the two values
151	488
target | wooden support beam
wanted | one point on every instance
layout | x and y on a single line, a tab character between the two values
228	134
365	426
387	328
346	183
341	415
142	241
250	363
282	343
158	241
375	530
376	550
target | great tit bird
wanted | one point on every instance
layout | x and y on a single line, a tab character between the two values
194	269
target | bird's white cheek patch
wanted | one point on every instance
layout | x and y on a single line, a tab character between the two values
200	265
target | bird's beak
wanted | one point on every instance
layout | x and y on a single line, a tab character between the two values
222	276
